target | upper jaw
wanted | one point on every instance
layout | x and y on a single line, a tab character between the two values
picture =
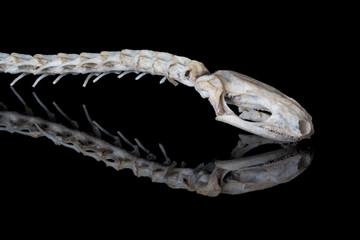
266	121
259	128
270	114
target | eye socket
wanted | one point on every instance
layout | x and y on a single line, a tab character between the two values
250	112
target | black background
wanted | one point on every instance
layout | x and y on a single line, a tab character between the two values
284	47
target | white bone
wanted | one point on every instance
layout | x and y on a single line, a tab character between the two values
59	77
140	75
18	78
162	80
88	78
100	76
123	74
39	79
265	111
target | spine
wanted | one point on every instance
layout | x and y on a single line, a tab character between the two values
170	66
113	156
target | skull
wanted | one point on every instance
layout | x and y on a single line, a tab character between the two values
255	107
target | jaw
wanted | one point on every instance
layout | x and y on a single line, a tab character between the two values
259	129
260	118
256	115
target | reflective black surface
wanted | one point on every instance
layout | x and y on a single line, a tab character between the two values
242	173
41	178
238	172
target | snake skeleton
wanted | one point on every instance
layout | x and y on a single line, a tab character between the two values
262	109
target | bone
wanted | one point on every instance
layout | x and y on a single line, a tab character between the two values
95	129
116	138
49	66
27	108
100	76
59	77
150	156
287	116
39	79
283	119
163	79
254	115
18	78
50	114
123	74
88	78
140	75
135	148
126	140
179	68
167	159
73	123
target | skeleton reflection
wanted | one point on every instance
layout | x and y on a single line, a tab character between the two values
242	174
